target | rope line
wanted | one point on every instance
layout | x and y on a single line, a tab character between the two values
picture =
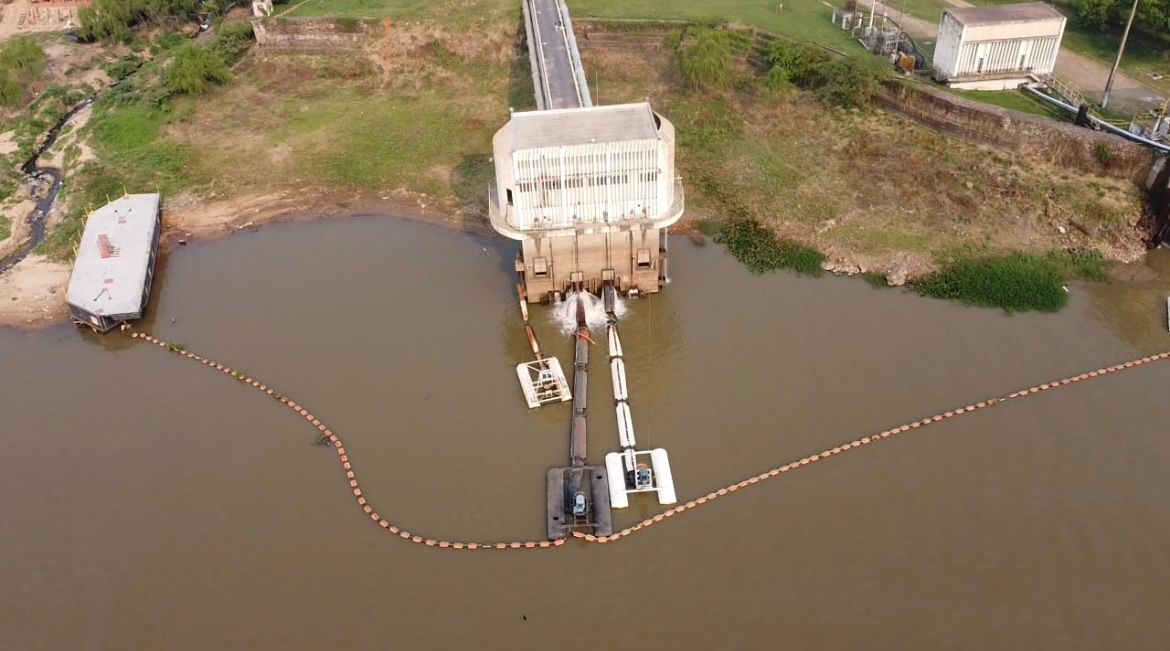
327	436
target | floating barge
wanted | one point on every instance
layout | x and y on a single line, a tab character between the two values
112	274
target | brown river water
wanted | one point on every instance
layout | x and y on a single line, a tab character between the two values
149	503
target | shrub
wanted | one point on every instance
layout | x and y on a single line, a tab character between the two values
758	247
707	61
112	20
1017	282
23	59
11	91
232	41
798	63
851	81
195	69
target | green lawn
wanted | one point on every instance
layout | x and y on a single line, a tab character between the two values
808	20
452	12
1016	100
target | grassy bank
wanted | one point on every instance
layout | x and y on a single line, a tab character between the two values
413	119
871	191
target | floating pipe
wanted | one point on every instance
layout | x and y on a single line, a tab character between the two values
532	340
625	424
523	296
618	370
615	344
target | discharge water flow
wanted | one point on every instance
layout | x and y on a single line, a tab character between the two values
564	312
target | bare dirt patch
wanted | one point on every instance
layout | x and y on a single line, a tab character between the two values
33	293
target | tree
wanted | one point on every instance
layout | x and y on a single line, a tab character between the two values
194	70
1153	16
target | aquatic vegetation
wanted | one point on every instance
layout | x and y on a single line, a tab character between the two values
761	250
1016	282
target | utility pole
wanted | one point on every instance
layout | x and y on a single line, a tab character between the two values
1120	51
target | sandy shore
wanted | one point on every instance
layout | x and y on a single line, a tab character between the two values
32	294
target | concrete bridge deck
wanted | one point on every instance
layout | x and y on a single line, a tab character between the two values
557	71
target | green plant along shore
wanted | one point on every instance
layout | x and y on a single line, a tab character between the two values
1015	282
758	247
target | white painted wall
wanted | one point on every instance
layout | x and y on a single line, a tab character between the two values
591	183
996	50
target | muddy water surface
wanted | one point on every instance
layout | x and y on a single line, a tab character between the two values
151	504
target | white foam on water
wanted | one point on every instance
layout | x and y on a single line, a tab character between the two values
564	313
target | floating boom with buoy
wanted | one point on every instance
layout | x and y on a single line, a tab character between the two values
630	471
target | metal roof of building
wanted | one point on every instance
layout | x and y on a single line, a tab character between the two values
109	274
579	126
1021	13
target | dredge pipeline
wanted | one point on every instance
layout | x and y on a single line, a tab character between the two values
327	436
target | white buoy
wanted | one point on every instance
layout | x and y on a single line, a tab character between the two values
662	477
617	481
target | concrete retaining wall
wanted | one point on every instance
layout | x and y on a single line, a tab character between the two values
1063	144
319	35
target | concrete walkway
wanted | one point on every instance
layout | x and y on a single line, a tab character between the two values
1086	74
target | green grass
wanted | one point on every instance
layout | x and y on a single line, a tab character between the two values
452	12
1016	282
385	143
760	250
5	228
807	20
129	142
882	237
1016	100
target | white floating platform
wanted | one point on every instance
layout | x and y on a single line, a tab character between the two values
620	489
543	382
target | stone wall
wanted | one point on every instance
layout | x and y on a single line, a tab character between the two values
319	35
1063	144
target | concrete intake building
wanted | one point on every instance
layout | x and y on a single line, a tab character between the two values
114	269
997	48
590	192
